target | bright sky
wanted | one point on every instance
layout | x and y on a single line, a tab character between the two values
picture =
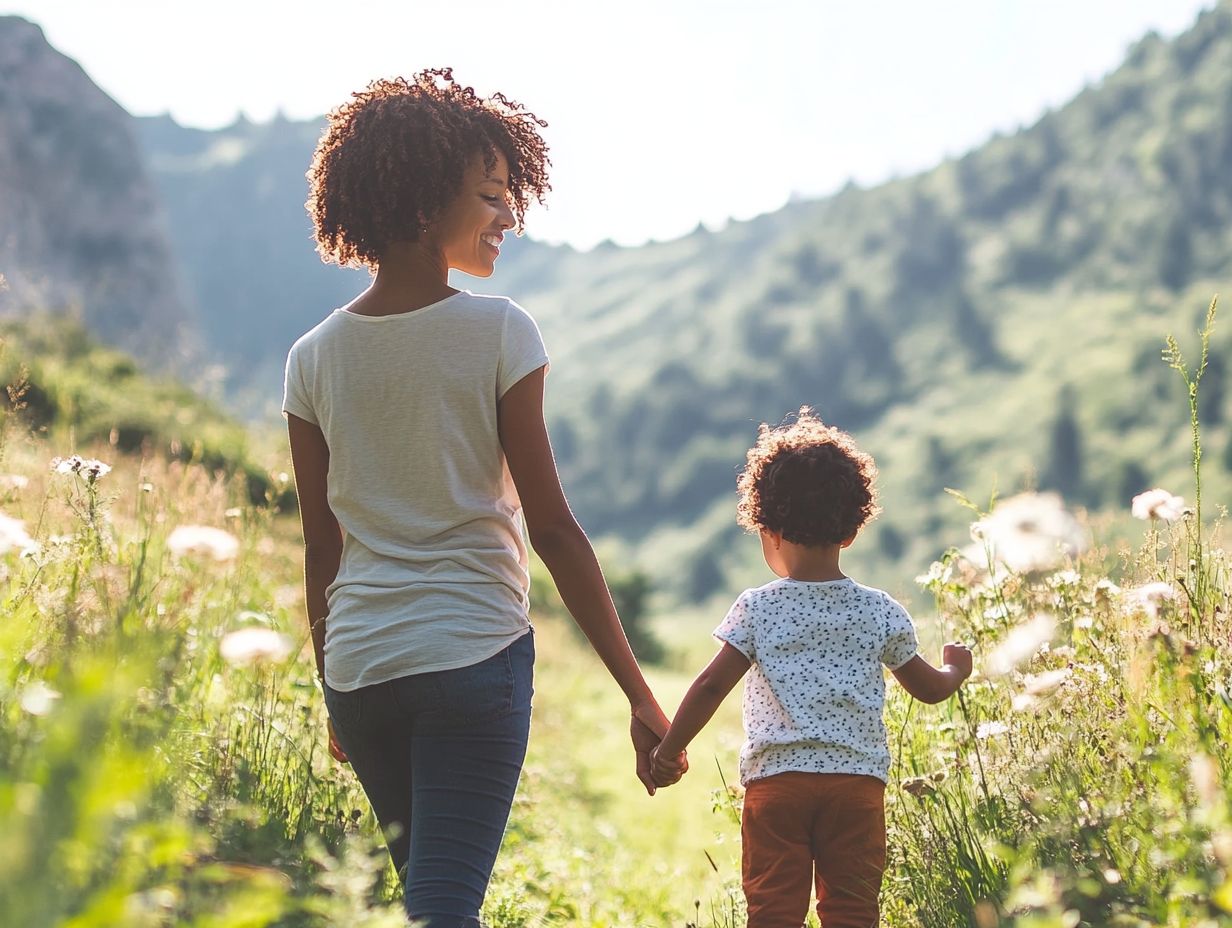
662	113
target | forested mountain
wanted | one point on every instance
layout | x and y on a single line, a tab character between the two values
991	323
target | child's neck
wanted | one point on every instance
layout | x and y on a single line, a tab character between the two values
810	563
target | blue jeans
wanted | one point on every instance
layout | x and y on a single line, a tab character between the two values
439	755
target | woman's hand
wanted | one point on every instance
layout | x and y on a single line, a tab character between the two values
335	749
646	728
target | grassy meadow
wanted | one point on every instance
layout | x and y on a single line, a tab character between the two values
163	761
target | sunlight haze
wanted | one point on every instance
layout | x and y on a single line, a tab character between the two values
662	115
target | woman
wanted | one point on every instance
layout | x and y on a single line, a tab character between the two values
415	416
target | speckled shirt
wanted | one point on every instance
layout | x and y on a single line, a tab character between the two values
814	693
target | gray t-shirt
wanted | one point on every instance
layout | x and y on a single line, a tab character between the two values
434	562
814	693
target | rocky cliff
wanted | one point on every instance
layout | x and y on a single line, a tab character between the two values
81	226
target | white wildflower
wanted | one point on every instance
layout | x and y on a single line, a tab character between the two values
13	482
254	645
991	729
1041	684
1098	672
89	468
938	574
1221	842
1150	598
1064	580
1105	589
1023	702
203	539
1158	504
1204	773
1021	644
997	611
1027	533
13	536
38	698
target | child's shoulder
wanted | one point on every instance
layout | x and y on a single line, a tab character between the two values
880	596
832	594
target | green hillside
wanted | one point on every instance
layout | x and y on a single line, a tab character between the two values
65	386
993	323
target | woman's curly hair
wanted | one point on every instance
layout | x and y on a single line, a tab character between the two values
808	482
391	159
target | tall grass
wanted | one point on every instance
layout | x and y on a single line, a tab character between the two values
152	774
1088	784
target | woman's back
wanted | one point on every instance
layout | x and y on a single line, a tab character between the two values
433	571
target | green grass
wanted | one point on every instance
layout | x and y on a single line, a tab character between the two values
147	781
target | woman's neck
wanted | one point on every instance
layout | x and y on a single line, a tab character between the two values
409	277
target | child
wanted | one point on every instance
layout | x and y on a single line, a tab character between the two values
815	760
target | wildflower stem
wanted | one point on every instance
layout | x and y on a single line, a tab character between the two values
979	760
1174	358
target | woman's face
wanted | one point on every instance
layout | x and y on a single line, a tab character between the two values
469	231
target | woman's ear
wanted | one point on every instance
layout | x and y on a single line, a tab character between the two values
846	543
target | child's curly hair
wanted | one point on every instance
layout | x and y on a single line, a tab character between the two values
393	158
808	482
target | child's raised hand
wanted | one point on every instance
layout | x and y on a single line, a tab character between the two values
667	770
958	656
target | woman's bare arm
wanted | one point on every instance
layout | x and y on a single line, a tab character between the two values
322	535
568	555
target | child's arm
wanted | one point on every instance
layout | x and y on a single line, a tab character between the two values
931	684
700	703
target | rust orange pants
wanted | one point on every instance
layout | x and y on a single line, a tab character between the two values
801	828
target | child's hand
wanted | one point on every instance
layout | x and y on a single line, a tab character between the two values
666	769
645	739
958	656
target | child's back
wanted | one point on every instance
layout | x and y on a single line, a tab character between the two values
814	692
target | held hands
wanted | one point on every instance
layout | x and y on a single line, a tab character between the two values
957	655
646	728
667	770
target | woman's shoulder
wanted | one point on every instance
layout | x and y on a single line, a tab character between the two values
493	302
316	334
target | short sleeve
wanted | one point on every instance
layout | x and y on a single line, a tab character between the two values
522	349
901	644
295	397
736	628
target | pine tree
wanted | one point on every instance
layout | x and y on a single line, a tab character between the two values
1065	461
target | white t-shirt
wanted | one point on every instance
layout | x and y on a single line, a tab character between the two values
434	563
814	693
